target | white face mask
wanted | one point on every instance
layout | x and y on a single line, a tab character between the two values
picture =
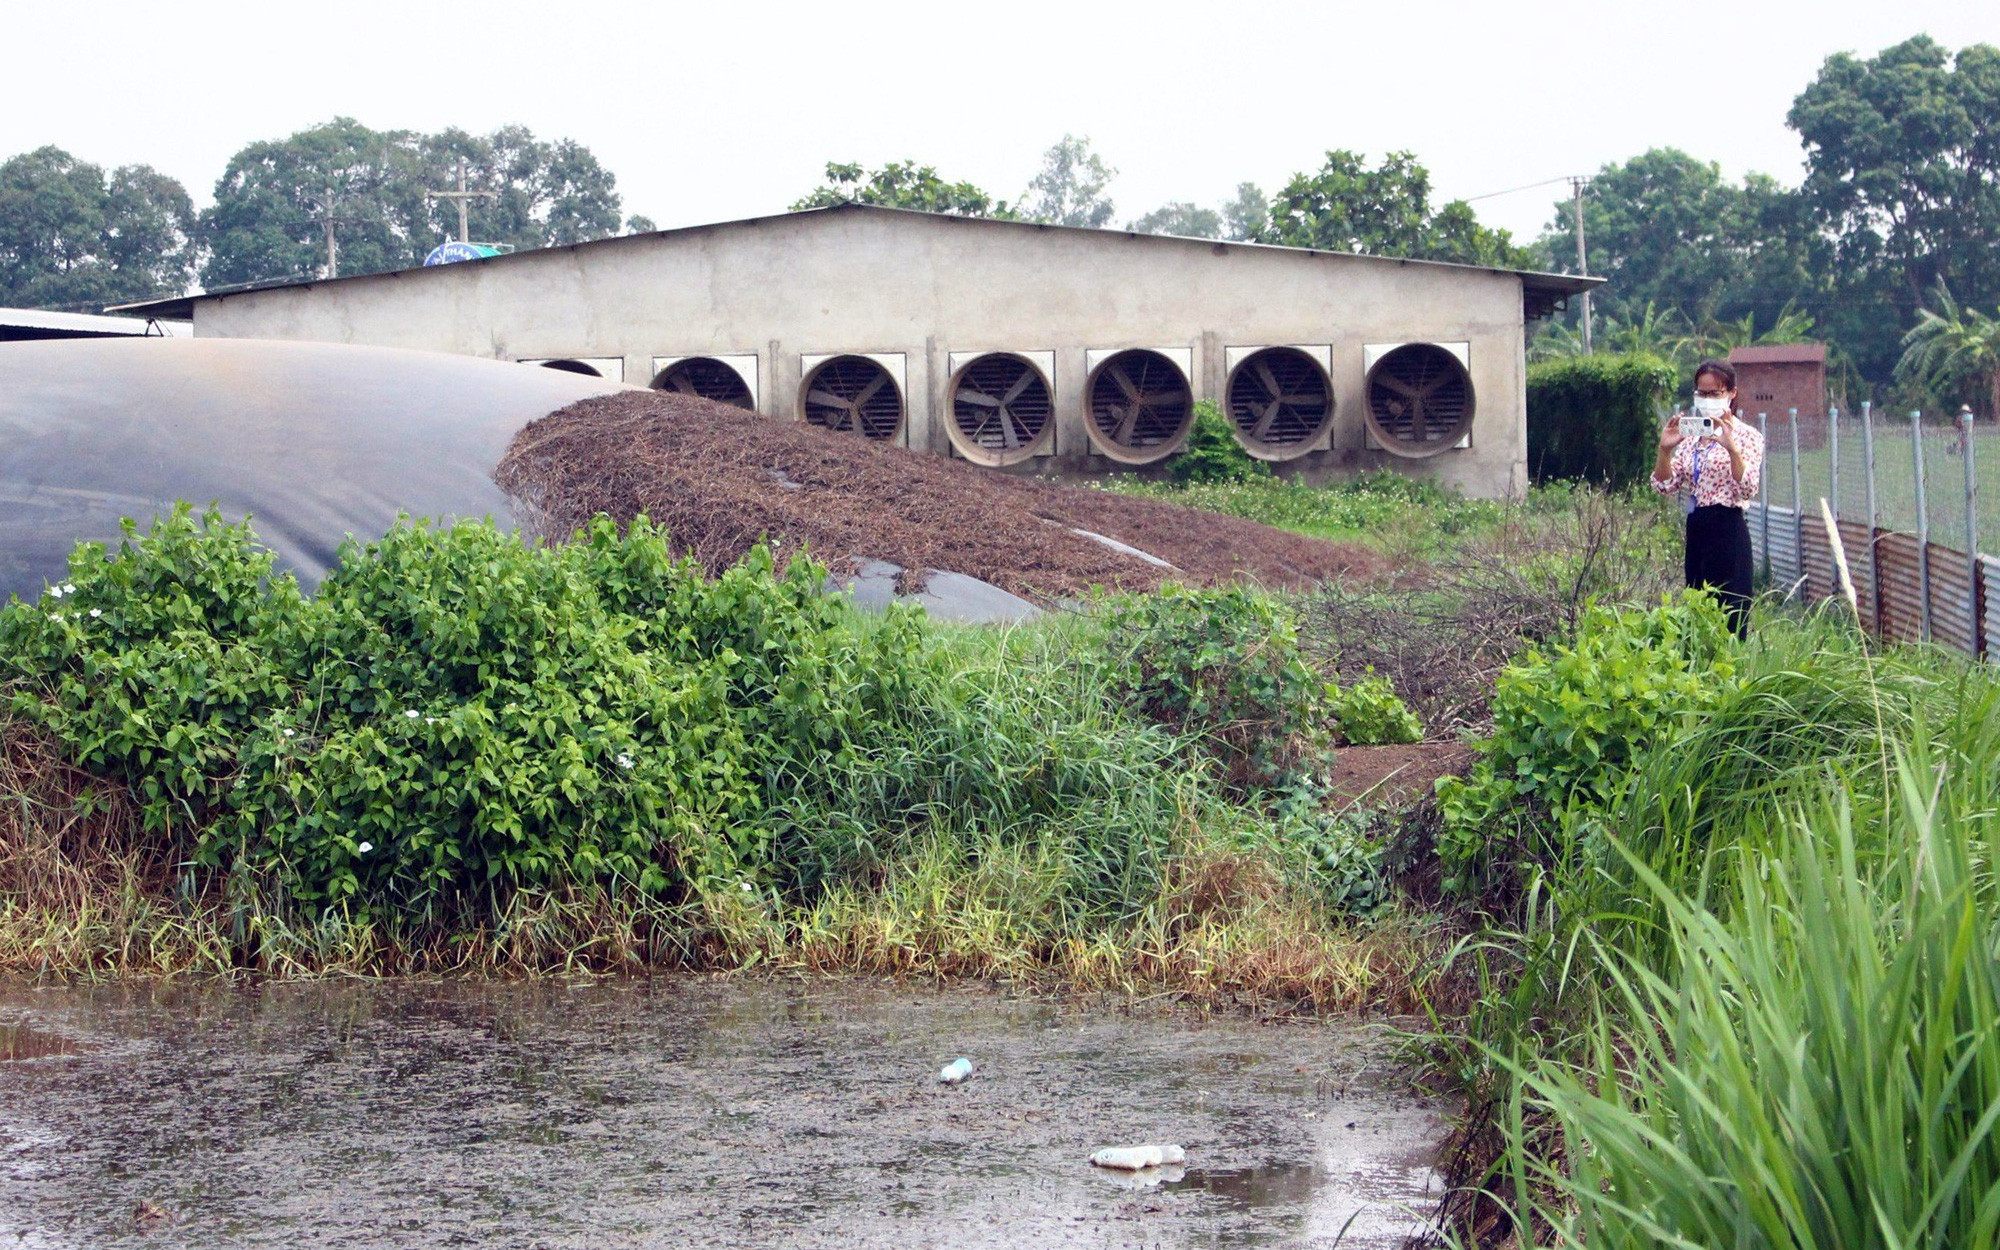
1710	408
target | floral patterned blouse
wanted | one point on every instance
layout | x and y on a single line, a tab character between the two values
1699	468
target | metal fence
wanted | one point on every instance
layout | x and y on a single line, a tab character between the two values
1905	501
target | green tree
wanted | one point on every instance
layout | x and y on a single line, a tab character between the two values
1182	218
1070	189
277	200
1903	185
1385	211
1953	352
1671	234
1245	215
71	239
902	184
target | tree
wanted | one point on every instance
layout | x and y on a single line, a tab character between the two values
902	184
1953	351
1245	216
278	200
1348	207
1902	185
70	239
1070	189
1182	218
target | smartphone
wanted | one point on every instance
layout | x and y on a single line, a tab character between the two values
1693	426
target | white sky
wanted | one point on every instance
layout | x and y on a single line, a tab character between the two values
713	111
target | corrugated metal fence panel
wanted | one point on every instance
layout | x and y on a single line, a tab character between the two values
1989	585
1784	559
1953	623
1902	590
1861	569
1817	552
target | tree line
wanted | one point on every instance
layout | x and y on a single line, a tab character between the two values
73	237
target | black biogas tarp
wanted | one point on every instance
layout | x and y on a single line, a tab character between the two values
312	441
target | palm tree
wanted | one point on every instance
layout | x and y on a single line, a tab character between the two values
1953	347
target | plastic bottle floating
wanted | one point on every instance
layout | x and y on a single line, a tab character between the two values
955	1071
1133	1158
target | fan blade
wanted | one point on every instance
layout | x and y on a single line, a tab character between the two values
978	397
1397	385
1021	383
1008	427
868	391
1158	398
1125	384
1123	434
1263	425
827	398
1269	379
682	383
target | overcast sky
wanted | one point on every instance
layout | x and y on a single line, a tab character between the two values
720	110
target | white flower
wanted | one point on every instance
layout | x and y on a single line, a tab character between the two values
68	589
55	616
746	886
96	612
625	761
55	592
364	848
413	713
291	733
430	720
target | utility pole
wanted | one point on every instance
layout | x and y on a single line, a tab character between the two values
1582	257
460	198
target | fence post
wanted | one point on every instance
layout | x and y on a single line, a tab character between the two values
1973	588
1799	513
1833	459
1868	485
1923	523
1764	504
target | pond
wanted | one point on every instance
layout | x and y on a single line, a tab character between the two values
752	1112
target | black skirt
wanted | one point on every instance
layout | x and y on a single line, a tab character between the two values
1718	557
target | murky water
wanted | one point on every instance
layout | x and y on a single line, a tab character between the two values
669	1113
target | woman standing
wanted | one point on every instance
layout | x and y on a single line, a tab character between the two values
1717	471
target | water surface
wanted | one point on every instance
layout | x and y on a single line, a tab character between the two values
676	1112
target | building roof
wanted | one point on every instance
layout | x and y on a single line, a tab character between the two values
40	323
1542	292
1779	354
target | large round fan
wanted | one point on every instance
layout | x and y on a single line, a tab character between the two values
706	377
1140	406
1280	400
856	395
1000	410
1419	400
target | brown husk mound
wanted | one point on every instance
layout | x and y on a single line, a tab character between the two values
718	479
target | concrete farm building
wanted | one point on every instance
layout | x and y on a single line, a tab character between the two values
1010	344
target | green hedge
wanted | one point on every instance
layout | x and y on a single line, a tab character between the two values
1596	418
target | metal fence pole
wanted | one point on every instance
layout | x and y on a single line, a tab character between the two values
1868	483
1972	568
1923	522
1833	459
1799	513
1764	504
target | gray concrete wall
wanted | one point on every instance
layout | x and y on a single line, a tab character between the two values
926	286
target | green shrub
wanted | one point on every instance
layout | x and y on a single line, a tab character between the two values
1212	452
456	714
1220	663
1597	418
1568	723
1369	713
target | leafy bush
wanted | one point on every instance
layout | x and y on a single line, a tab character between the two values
1212	453
1369	713
1568	722
456	714
1596	418
1221	663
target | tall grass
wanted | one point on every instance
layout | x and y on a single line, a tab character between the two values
1821	1068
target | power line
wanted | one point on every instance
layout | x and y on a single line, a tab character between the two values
1546	182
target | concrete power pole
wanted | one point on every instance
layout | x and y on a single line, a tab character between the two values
460	198
326	221
1582	257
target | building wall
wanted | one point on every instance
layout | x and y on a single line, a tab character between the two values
927	286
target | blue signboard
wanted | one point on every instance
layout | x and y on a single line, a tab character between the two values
448	253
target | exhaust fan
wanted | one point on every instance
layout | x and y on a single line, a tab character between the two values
1002	410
